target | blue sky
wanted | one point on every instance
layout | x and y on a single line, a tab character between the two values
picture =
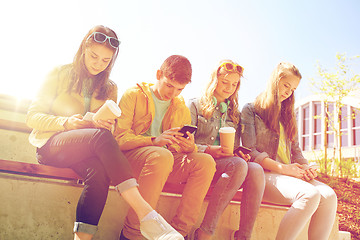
39	35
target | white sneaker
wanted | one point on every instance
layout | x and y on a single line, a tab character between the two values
158	229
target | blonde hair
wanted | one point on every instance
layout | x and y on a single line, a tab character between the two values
207	105
271	109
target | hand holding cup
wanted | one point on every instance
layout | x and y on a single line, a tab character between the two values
110	110
227	139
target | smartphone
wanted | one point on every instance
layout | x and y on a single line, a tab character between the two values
187	128
243	149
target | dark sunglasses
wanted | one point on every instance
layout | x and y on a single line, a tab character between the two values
101	38
230	67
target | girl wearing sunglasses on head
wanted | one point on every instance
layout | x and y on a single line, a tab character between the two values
270	131
216	108
64	139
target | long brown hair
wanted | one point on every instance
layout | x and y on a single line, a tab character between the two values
79	73
271	109
207	103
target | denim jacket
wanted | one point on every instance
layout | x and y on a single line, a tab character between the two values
208	129
262	141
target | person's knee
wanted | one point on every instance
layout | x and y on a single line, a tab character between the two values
239	163
256	174
311	198
96	174
206	163
329	197
332	197
104	134
160	161
237	167
103	137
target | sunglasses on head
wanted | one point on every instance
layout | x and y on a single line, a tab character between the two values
101	38
230	67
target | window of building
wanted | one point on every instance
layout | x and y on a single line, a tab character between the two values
330	139
317	125
344	126
306	120
305	130
343	117
305	143
344	138
330	124
355	115
356	136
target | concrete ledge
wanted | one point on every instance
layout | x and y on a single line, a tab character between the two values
44	208
344	235
14	126
37	208
49	172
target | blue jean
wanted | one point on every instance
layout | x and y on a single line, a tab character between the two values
233	173
95	155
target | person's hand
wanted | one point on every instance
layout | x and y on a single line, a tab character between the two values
104	124
310	173
187	144
76	122
168	137
294	170
246	157
217	152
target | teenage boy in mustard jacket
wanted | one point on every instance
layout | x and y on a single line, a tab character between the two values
147	133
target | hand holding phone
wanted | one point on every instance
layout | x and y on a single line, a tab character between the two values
243	149
187	128
311	171
314	166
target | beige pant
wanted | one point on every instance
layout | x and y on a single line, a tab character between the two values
309	200
153	166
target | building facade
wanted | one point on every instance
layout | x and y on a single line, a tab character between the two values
313	131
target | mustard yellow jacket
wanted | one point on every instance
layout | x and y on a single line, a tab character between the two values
53	105
137	113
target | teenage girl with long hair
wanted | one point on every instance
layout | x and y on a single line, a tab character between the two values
64	139
270	130
216	108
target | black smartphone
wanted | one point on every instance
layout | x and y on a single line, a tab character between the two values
187	128
243	149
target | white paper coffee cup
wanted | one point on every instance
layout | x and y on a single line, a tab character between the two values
227	139
110	110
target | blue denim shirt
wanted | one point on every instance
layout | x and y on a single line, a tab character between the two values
208	129
262	141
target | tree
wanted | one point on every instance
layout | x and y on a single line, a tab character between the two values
334	86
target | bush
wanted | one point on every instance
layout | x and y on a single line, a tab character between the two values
349	167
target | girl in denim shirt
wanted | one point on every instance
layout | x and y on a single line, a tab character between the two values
269	129
218	107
